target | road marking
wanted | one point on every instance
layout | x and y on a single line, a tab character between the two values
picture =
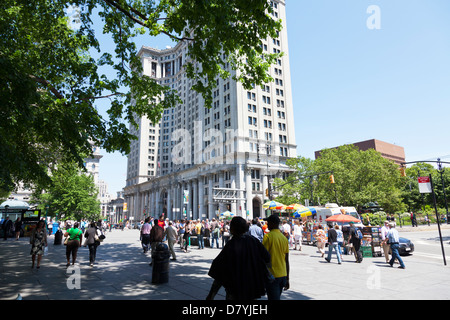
429	255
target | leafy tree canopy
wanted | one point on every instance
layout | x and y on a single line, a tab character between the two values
72	195
49	84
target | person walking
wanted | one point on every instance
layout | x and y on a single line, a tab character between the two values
355	238
18	227
38	241
75	239
172	235
187	235
225	233
92	241
50	227
215	232
181	231
395	244
298	235
340	240
384	240
241	266
333	244
156	236
278	247
145	235
286	230
200	230
7	227
256	231
321	238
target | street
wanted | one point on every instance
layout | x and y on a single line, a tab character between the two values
122	273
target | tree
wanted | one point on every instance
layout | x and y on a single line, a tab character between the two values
360	177
295	187
72	195
410	192
49	84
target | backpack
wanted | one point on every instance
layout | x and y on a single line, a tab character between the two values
358	234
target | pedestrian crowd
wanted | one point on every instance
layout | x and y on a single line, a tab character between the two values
254	260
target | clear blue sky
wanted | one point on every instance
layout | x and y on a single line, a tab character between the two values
352	84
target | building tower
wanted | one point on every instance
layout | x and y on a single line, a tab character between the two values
198	162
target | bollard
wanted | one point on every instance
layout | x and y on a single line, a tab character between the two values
160	263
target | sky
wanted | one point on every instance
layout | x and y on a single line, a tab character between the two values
353	83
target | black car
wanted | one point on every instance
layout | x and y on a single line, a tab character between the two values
406	247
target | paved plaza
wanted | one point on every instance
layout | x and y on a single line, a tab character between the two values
122	272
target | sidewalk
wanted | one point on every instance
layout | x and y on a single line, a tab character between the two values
122	272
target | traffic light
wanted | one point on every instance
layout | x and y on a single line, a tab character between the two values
332	179
403	171
267	192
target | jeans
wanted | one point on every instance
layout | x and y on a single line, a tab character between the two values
339	247
201	244
212	242
275	288
396	255
334	246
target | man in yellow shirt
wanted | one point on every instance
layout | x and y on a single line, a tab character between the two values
278	246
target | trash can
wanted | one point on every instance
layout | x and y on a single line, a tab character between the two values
58	237
160	263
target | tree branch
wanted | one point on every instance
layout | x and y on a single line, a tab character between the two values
101	97
47	84
114	4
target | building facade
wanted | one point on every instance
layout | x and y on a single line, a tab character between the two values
387	150
198	162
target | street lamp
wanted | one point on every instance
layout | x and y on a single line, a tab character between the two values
441	171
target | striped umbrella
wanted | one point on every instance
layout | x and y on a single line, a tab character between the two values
273	205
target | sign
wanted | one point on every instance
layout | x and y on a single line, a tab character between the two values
125	206
425	185
185	196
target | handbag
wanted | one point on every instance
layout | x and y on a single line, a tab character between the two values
66	241
101	237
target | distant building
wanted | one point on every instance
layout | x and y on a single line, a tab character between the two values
387	150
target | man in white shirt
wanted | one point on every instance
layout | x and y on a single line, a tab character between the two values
386	247
394	242
171	234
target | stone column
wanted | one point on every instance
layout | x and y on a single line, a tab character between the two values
201	197
211	213
249	192
195	199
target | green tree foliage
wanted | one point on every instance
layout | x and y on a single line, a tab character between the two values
72	195
49	84
410	192
295	188
360	177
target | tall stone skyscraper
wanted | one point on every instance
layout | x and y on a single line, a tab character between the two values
198	162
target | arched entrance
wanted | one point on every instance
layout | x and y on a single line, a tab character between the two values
256	203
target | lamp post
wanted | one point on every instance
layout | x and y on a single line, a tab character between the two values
441	171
